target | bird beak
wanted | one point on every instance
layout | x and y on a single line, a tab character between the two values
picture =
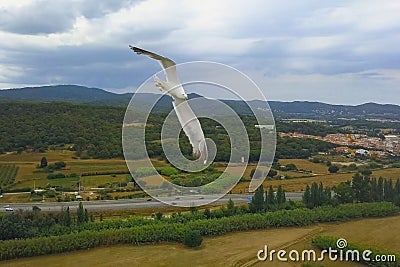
186	97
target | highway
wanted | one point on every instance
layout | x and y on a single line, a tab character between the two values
138	203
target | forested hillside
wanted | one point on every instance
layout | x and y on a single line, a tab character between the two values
37	126
95	132
295	109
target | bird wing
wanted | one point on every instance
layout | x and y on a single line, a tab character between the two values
168	65
192	128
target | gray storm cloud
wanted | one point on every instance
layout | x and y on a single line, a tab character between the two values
294	50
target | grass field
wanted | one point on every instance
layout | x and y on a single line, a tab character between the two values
299	184
8	172
391	173
316	168
58	155
29	176
236	249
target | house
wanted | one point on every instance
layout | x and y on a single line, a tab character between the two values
362	152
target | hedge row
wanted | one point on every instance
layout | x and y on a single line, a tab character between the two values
103	173
326	242
164	231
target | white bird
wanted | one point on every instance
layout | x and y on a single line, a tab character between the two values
190	123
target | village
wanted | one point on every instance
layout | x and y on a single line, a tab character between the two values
359	144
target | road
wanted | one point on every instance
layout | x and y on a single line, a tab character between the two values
138	203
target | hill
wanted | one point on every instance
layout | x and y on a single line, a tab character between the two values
296	109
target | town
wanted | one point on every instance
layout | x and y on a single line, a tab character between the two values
360	144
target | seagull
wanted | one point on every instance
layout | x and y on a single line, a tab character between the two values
190	123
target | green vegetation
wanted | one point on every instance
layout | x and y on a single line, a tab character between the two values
309	128
326	242
173	229
8	172
43	162
333	169
192	238
295	148
195	179
316	196
95	132
55	167
263	201
364	188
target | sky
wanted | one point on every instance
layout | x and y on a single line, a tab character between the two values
340	52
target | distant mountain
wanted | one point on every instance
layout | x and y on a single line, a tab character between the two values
65	93
298	109
304	109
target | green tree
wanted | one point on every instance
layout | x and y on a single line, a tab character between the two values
207	213
270	199
333	169
315	195
159	215
307	197
362	188
397	193
280	195
290	167
193	209
192	238
272	173
374	190
257	202
344	193
80	214
327	197
366	172
379	190
87	217
230	208
43	162
65	217
388	190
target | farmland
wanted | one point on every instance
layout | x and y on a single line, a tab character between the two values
29	175
235	249
23	168
7	174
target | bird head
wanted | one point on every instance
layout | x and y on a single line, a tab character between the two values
185	96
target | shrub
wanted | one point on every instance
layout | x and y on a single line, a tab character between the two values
188	228
326	242
333	169
55	175
168	171
192	238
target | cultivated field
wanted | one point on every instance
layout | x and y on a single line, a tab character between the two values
7	174
304	164
28	176
236	249
299	184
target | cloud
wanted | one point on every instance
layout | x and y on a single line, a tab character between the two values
312	45
40	17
